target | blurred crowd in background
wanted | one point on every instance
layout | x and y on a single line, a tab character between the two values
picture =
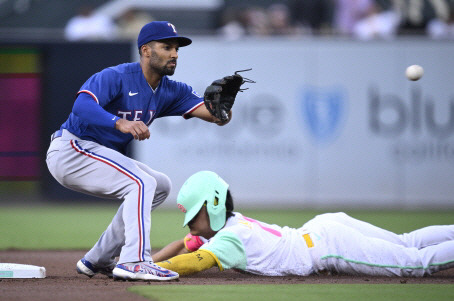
233	19
360	19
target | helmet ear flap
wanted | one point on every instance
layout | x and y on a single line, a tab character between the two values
204	187
216	209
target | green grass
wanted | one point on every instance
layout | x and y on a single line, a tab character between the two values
54	227
73	227
79	227
306	292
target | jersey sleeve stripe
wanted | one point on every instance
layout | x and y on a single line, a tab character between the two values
185	115
132	176
89	93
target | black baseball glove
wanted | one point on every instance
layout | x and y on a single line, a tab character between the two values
220	95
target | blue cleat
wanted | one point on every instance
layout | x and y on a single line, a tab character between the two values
86	268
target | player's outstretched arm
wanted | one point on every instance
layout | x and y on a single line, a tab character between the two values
189	243
137	129
173	249
191	263
202	113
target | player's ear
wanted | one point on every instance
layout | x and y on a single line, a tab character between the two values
146	49
143	50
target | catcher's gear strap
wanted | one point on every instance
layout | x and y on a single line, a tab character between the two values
192	242
191	263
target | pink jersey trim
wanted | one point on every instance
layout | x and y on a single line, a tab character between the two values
89	93
272	231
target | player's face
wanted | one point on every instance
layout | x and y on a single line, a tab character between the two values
164	55
200	224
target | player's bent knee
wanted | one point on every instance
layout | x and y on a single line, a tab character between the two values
339	215
164	185
336	216
149	183
145	183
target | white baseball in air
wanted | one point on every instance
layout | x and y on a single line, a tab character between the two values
414	72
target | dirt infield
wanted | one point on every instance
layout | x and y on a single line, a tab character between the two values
63	283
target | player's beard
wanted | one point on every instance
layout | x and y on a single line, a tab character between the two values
168	70
159	69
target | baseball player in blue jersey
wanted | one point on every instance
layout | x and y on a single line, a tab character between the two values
113	107
333	243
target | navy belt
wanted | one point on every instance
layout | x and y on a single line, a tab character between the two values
56	135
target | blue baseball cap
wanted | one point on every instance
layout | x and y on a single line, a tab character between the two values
160	30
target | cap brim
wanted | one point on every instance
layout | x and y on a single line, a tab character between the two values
188	216
182	41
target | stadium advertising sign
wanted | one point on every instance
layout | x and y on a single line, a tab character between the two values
319	128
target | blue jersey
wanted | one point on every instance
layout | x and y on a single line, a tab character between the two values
124	92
